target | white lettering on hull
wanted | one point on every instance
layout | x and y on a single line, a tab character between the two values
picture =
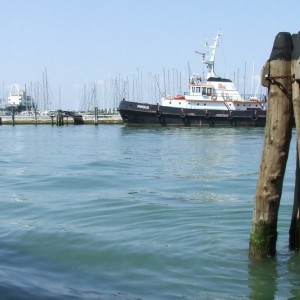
143	106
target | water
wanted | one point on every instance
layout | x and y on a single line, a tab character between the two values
111	212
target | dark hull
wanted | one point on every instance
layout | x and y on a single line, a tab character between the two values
134	113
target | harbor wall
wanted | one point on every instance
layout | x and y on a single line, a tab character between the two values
48	120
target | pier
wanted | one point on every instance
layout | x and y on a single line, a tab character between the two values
60	118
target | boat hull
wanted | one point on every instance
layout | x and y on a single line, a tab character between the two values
135	113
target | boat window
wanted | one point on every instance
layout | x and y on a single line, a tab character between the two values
203	91
209	91
193	89
198	103
198	89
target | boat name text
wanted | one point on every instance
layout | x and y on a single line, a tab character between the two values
143	106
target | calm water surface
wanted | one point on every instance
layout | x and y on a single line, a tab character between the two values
111	212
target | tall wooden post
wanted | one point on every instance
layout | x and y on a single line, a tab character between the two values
295	70
35	114
294	241
96	116
275	152
13	115
59	118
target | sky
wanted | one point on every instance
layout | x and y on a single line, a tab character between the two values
90	50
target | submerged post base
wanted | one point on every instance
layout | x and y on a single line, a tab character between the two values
263	241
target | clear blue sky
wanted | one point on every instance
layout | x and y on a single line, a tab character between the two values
85	41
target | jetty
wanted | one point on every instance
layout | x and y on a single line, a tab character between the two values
61	118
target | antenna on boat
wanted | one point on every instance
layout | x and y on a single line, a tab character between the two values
209	58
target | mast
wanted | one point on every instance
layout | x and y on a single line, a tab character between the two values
209	58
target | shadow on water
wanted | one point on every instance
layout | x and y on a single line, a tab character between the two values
263	279
293	274
275	278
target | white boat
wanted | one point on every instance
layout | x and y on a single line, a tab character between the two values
19	99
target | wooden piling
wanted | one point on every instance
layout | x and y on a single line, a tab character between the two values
96	116
13	115
275	151
35	116
59	118
295	222
294	232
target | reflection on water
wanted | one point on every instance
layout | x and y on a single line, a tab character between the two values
275	278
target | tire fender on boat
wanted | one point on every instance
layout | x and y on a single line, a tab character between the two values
230	116
207	115
182	114
214	97
158	113
255	116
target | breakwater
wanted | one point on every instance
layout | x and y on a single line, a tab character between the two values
85	119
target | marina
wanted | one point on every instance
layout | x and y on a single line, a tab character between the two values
61	118
20	108
150	150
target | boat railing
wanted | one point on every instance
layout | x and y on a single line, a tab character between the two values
247	97
251	97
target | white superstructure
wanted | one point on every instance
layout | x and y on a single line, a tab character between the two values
214	92
18	98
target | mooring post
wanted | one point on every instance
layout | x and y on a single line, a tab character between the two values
59	118
13	115
52	119
35	116
96	116
295	222
278	132
295	71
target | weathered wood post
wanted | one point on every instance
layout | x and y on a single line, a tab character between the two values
13	115
295	222
59	118
96	116
276	147
52	119
35	117
295	70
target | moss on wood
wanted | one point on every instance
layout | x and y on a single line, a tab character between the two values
262	241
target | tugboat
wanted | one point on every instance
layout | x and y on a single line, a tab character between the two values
211	102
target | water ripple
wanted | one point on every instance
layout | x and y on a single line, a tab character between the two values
112	212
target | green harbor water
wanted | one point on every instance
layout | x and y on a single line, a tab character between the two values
113	212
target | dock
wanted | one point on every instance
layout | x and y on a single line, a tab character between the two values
67	120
